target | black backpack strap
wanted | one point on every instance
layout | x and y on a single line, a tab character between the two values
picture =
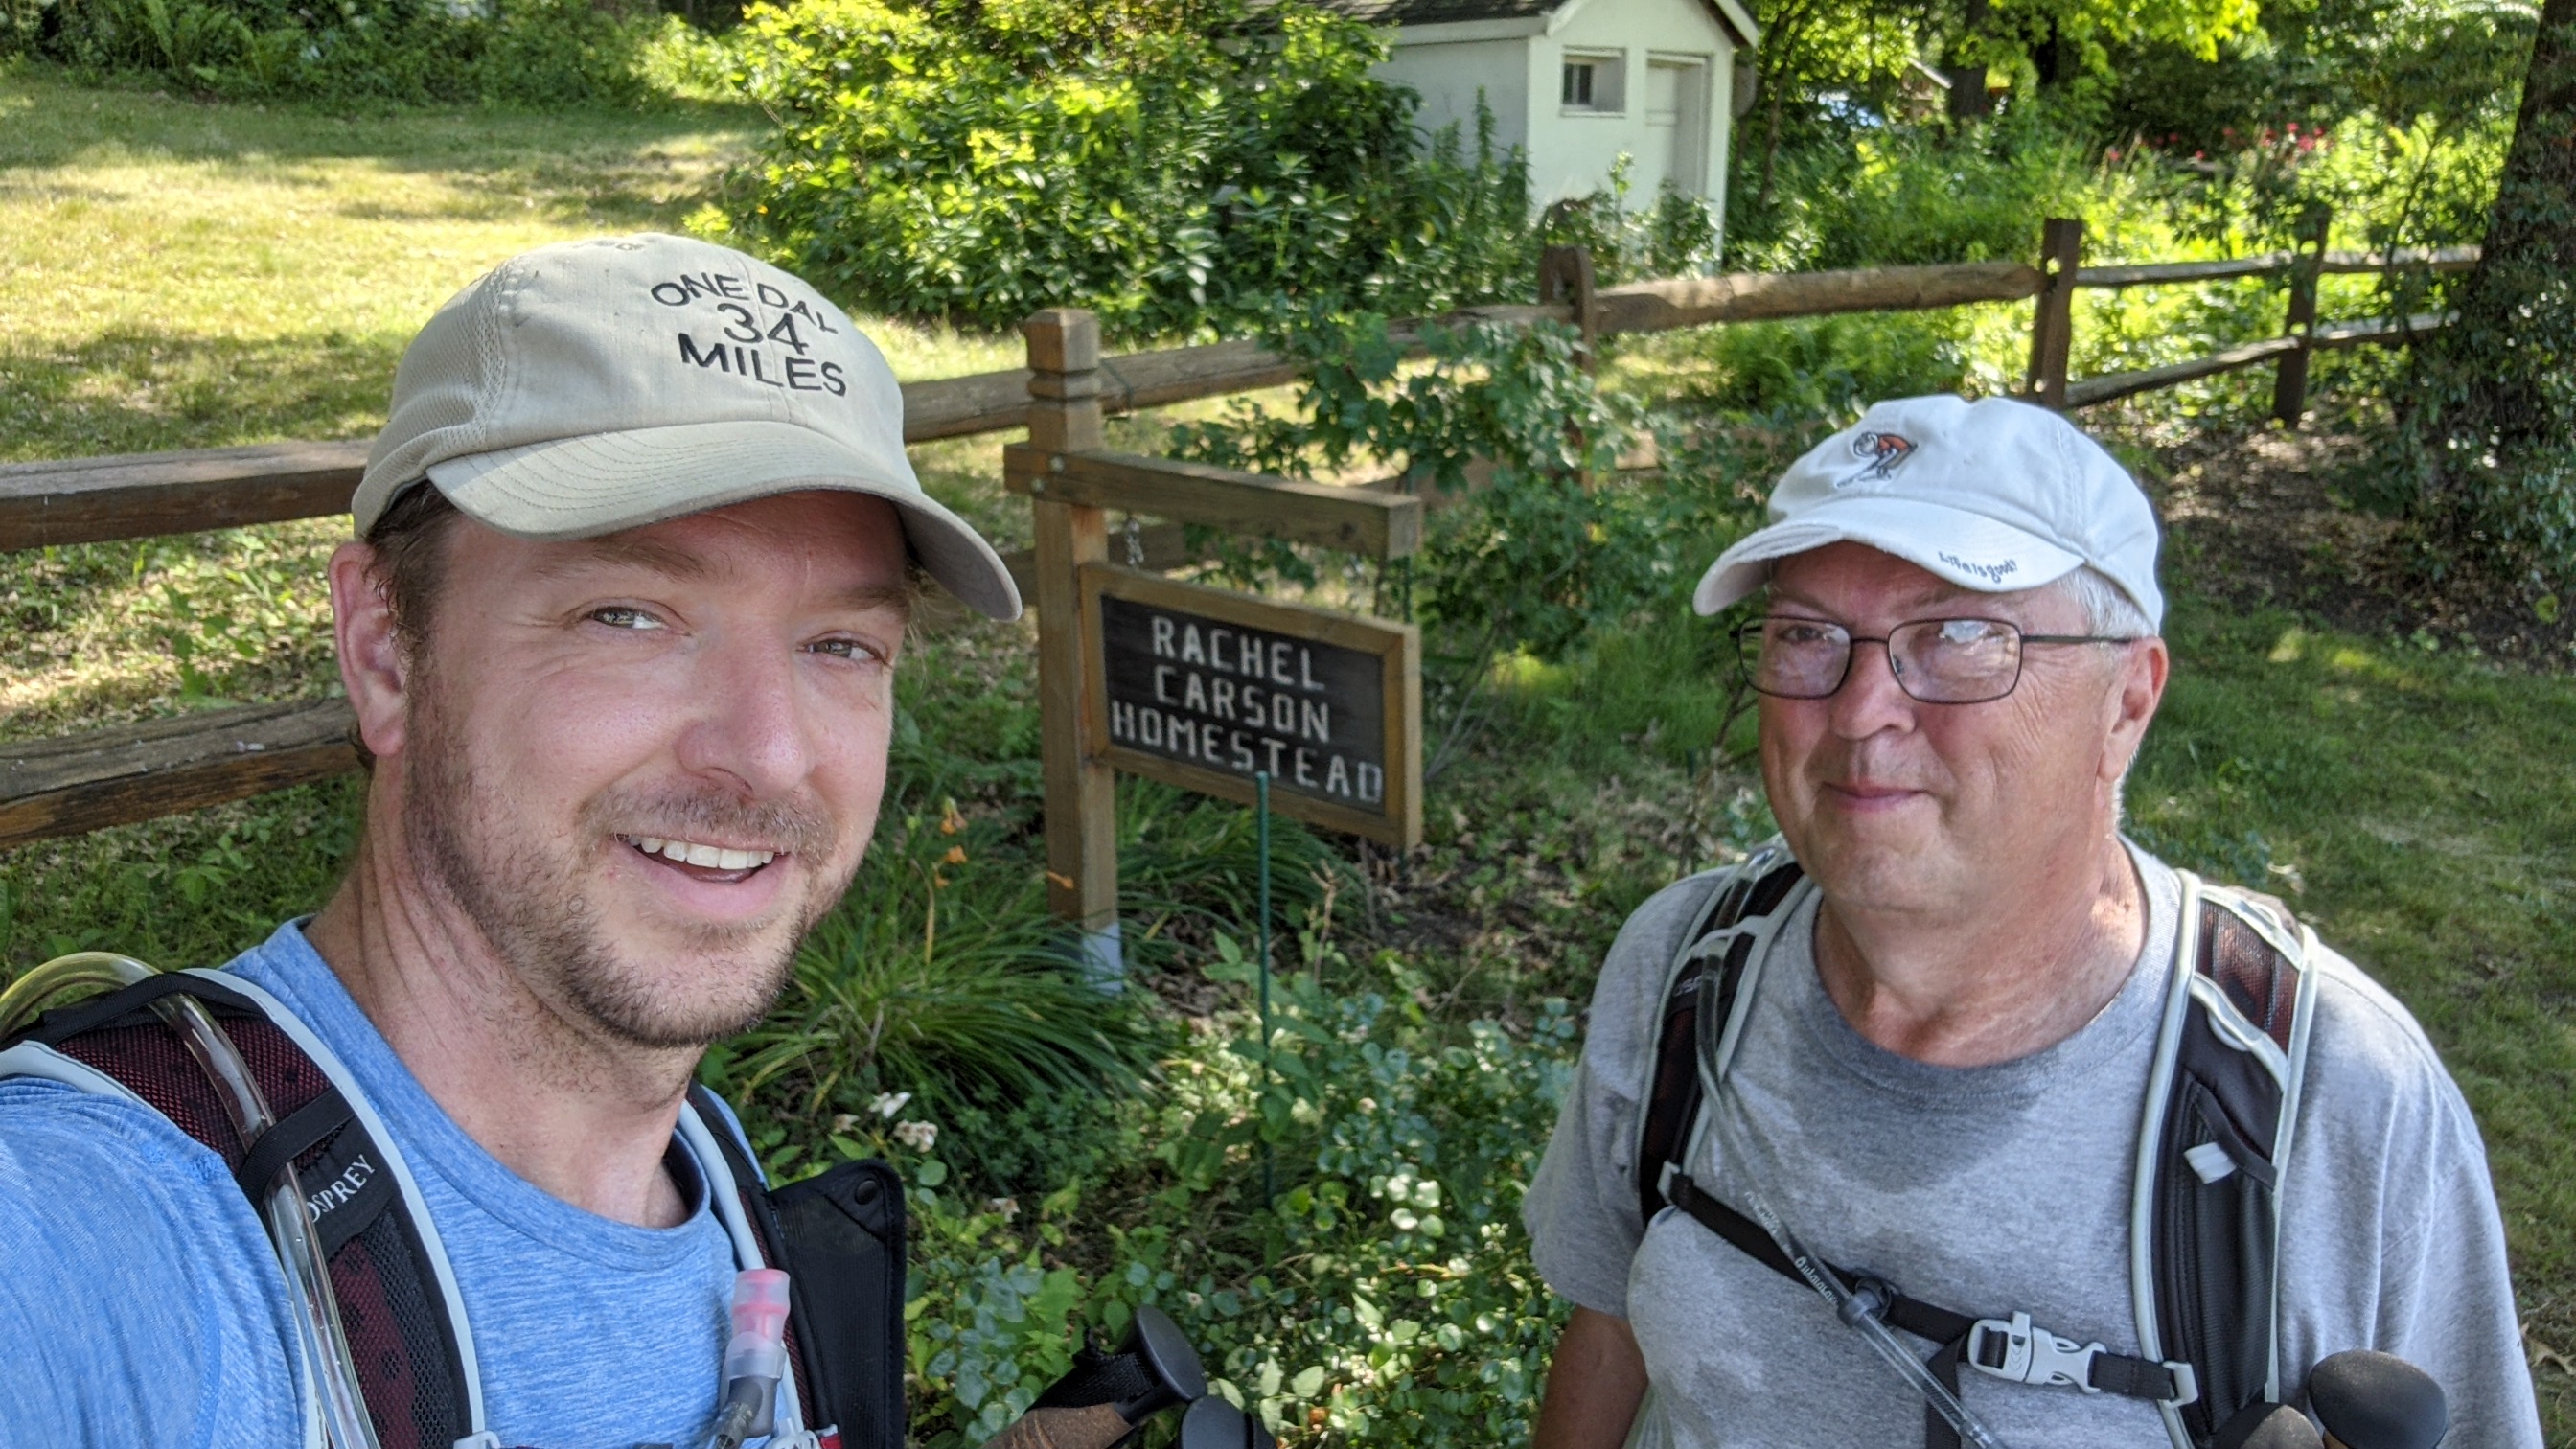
840	1237
2221	1104
396	1302
1754	889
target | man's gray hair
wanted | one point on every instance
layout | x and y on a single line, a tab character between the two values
2108	609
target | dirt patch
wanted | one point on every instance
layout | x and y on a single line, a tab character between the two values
2262	516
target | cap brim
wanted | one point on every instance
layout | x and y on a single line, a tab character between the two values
1967	549
599	483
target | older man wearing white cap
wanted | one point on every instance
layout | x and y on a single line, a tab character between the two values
1953	1117
635	553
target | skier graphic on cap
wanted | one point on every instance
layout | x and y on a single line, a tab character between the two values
1882	451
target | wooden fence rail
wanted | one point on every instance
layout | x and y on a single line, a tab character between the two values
65	786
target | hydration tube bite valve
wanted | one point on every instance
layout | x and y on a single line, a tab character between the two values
755	1359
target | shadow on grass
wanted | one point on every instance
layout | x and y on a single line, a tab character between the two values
58	118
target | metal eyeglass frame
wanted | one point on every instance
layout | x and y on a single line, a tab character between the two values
1745	656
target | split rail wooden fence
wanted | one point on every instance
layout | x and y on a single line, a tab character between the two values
83	782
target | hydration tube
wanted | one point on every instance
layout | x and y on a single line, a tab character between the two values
755	1359
1864	1311
299	1253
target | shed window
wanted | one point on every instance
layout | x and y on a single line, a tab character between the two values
1593	83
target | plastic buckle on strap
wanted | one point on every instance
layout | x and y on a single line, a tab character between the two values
2186	1384
2026	1354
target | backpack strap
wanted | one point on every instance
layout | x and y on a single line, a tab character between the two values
411	1346
2222	1100
2204	1271
840	1236
1751	892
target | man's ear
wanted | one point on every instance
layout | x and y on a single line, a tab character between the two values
372	667
2137	689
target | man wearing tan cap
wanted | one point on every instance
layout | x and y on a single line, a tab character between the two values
1953	1116
634	558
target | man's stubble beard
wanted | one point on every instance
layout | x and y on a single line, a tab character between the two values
524	895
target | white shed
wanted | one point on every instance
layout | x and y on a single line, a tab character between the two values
1577	83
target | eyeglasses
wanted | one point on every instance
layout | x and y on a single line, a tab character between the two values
1936	661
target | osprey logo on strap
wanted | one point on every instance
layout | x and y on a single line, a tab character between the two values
2204	1220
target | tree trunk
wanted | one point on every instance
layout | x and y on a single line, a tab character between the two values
2494	431
2520	294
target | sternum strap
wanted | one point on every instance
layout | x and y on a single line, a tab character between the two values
303	1129
2112	1373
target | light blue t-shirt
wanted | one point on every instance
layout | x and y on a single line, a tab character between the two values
141	1303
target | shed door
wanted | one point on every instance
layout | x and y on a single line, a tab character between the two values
1676	125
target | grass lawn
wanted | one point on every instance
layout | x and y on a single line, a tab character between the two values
179	275
182	275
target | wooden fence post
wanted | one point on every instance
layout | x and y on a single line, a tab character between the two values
1081	790
1565	275
2290	377
2053	328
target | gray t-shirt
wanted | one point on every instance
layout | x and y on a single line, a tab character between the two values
1996	1188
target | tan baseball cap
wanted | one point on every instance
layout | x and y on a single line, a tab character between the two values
592	386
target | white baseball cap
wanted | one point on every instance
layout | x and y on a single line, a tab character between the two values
591	386
1994	495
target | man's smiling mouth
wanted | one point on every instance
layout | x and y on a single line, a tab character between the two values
721	859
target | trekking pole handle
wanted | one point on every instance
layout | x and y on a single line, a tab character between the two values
1096	1427
2369	1400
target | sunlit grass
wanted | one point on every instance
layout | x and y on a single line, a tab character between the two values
182	275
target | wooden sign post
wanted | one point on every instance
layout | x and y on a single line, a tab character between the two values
1081	791
1197	686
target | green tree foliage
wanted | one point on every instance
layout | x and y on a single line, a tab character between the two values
2490	435
1172	164
2314	63
1823	61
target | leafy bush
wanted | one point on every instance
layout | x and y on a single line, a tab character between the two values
527	52
1677	236
1536	545
1383	1293
1171	166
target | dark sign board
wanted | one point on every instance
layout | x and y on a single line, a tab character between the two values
1206	689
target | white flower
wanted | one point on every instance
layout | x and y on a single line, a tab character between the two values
889	1103
916	1135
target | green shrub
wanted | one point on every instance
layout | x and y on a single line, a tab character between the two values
1383	1294
1818	367
1538	545
538	53
1170	166
1676	236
